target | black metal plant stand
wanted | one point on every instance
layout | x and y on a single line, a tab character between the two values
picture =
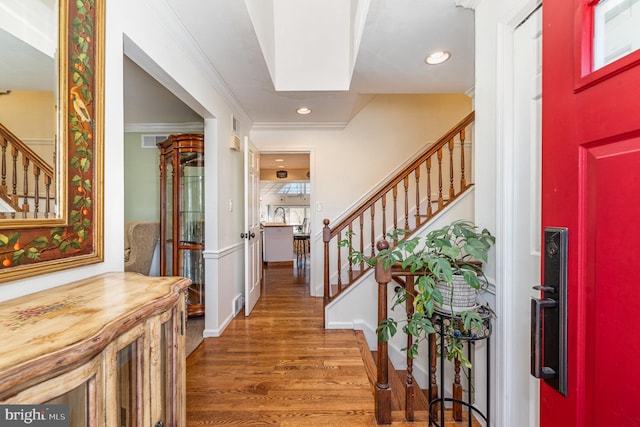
441	321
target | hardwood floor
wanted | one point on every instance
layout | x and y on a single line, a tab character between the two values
280	367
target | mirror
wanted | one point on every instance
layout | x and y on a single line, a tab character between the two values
50	163
29	99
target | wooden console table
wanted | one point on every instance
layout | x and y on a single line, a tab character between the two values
111	347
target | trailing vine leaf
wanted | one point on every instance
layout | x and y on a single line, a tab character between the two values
85	164
40	242
64	246
412	352
33	253
388	328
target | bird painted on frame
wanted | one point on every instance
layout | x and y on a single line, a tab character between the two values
79	105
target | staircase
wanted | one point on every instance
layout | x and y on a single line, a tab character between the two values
409	200
27	182
418	398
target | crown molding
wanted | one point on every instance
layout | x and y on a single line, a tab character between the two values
294	125
172	24
468	4
197	127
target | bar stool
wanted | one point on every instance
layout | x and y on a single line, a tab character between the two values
301	244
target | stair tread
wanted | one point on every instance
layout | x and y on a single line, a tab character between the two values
367	358
397	385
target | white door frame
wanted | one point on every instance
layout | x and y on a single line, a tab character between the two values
505	208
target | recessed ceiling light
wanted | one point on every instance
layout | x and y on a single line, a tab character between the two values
281	166
303	110
279	160
437	57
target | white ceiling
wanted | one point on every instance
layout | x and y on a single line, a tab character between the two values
396	38
389	58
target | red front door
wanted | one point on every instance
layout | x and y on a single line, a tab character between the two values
591	185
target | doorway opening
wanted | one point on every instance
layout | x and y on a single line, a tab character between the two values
285	208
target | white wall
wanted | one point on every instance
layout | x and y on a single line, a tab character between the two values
348	163
149	34
155	40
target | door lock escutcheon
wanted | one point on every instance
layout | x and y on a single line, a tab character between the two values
549	314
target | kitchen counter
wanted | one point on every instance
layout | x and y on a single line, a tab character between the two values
278	243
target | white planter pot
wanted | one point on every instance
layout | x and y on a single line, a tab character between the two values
464	296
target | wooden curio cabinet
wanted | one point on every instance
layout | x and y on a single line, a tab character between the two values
182	214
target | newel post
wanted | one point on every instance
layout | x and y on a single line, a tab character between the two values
383	389
326	237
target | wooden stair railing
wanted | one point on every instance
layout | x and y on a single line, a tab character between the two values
410	190
32	170
383	389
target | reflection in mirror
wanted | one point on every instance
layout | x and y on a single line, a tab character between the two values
29	99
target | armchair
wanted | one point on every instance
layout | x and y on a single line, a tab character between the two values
140	241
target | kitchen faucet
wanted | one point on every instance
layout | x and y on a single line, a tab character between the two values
275	212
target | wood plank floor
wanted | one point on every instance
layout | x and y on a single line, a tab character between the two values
280	367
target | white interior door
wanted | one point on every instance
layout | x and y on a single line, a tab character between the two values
527	143
253	239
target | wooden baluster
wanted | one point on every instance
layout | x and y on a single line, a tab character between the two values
384	216
47	189
373	230
339	260
410	391
350	234
463	180
3	183
433	378
406	203
326	238
395	209
36	191
457	393
14	171
429	208
452	191
383	388
417	171
440	199
361	234
25	186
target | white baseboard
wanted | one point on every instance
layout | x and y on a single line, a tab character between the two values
212	333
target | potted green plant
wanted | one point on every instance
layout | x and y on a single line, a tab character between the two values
449	262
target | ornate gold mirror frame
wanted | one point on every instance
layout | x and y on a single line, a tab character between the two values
32	248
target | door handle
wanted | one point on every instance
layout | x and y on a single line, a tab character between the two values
549	314
247	235
537	308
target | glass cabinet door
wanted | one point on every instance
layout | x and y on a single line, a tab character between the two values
182	214
168	223
128	386
192	228
77	401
